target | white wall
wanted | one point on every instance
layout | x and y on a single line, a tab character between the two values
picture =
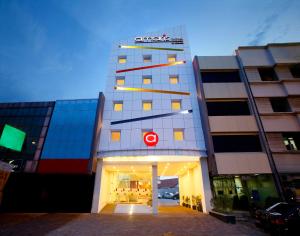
131	143
194	183
105	188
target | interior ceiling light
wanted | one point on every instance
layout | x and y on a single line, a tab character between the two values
153	66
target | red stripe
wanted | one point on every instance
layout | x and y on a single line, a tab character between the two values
147	67
63	166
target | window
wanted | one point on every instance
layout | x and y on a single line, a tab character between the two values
147	58
122	59
147	105
280	105
120	80
144	131
147	79
115	136
176	105
118	106
234	108
267	74
220	77
291	141
172	58
173	79
295	70
178	134
236	143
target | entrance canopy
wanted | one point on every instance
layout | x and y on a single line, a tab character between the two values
167	165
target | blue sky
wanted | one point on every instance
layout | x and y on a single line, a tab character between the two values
59	49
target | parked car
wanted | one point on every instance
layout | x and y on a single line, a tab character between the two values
159	195
261	216
167	195
175	196
285	220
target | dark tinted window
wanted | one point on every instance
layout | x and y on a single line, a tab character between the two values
228	108
267	74
280	105
295	70
236	143
220	77
30	119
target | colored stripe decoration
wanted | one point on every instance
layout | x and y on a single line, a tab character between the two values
151	117
150	90
153	48
153	66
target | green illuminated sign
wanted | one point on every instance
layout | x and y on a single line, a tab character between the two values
12	138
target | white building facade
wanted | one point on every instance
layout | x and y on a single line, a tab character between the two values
150	87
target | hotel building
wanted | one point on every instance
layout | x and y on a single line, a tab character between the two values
150	87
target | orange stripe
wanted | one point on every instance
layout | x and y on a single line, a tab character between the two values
153	66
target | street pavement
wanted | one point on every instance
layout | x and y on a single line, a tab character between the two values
170	221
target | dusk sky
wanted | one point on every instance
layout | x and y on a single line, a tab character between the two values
59	49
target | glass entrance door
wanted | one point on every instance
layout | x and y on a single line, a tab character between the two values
131	187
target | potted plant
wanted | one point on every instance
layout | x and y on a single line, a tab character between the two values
183	201
194	202
149	202
199	203
187	201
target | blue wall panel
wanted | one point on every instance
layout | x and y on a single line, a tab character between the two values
71	130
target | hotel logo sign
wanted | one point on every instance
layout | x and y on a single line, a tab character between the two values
151	139
158	39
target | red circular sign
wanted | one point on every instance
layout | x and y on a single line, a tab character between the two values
151	139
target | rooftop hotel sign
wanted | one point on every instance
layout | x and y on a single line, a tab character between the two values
158	39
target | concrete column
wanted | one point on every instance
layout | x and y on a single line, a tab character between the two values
154	190
97	187
206	185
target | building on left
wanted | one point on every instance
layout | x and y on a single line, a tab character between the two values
53	169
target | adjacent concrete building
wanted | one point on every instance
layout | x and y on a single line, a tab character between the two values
272	74
250	115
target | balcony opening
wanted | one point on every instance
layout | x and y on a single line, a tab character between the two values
280	105
267	74
295	70
221	77
236	143
234	108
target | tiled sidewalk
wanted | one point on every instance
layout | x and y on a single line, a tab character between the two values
164	224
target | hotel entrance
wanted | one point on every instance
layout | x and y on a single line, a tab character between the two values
130	186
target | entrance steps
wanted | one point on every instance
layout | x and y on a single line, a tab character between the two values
132	209
241	215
